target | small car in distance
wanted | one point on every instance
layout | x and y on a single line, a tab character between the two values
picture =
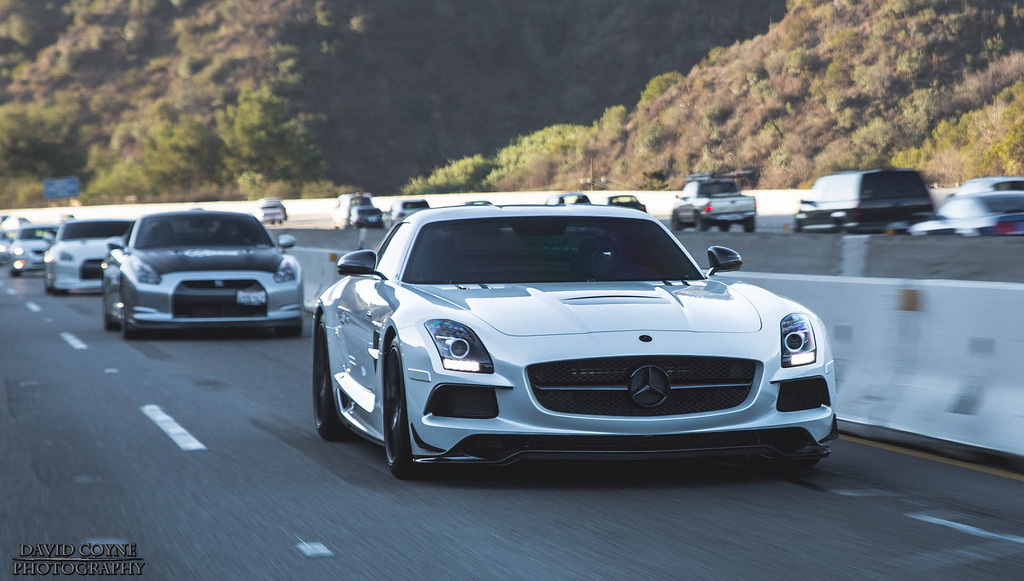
402	209
990	184
74	261
708	202
979	214
272	211
342	210
626	201
366	217
490	335
28	247
201	269
566	199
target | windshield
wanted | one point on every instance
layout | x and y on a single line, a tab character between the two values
199	230
37	233
720	188
545	249
1008	185
893	184
367	211
104	229
622	200
415	204
1003	204
360	201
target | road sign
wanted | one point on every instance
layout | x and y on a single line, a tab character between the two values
59	188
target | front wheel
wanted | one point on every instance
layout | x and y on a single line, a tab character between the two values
325	413
15	273
397	446
109	323
128	330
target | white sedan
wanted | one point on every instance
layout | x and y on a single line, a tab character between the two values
491	334
74	262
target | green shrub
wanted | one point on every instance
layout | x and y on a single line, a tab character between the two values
463	175
657	86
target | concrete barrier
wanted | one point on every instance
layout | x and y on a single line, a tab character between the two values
933	363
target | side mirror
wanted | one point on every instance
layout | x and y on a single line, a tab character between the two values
115	243
286	241
358	263
722	259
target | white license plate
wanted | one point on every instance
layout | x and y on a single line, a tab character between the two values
730	217
251	297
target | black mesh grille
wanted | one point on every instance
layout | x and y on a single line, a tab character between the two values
91	270
802	394
598	386
215	284
194	299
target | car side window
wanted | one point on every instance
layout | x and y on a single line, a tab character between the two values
392	251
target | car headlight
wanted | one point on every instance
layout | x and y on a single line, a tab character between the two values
19	251
48	257
144	273
459	347
798	346
288	270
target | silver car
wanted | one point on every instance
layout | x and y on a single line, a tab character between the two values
181	270
492	334
74	261
28	247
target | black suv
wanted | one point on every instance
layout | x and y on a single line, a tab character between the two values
878	200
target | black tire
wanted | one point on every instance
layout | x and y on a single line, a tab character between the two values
15	273
397	446
326	419
701	224
749	225
46	285
724	226
676	224
798	226
128	331
783	465
58	291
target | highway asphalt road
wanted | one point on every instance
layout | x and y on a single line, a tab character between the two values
83	462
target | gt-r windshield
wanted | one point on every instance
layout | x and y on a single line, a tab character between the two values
545	249
201	230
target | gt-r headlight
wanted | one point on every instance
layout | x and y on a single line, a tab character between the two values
49	257
797	341
288	270
459	347
18	251
144	273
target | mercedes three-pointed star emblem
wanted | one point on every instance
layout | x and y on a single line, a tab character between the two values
649	386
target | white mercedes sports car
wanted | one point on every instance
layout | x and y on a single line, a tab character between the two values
486	334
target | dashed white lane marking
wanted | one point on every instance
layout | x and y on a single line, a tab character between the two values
47	320
33	307
87	479
28	383
173	429
313	549
864	493
11	291
75	342
968	529
110	370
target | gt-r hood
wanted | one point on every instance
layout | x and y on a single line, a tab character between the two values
562	309
192	259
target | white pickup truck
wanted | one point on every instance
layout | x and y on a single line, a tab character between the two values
713	202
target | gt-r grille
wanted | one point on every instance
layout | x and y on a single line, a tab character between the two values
202	299
91	270
600	386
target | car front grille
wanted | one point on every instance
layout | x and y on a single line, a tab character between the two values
206	299
91	270
599	386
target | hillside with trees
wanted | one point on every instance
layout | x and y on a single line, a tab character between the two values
155	100
834	85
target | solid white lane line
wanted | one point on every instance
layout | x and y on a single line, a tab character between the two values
33	307
968	529
173	429
75	342
110	370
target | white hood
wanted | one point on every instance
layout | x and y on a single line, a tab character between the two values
83	248
563	309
